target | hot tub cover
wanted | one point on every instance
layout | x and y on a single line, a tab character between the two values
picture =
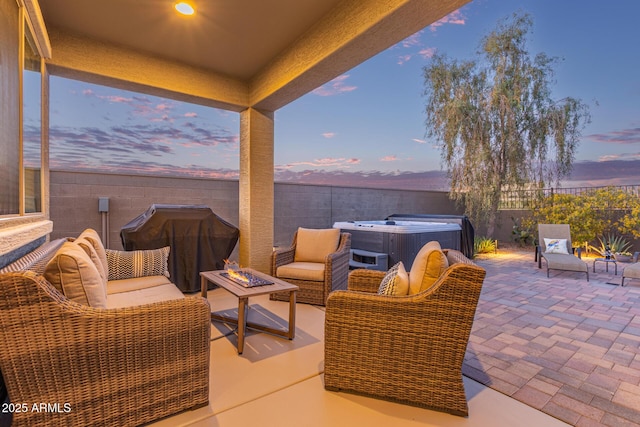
199	240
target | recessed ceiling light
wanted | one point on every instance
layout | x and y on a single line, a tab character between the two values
185	8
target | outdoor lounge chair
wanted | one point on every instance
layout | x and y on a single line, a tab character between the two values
556	249
632	271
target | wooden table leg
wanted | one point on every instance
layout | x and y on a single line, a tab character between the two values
242	322
204	284
292	314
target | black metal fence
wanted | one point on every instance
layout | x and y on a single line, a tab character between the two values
526	199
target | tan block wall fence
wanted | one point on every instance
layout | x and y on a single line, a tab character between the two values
74	202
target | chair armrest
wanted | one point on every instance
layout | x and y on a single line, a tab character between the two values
635	256
336	270
125	366
363	280
280	257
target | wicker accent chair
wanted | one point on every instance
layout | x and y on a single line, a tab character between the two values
406	349
336	272
565	261
113	367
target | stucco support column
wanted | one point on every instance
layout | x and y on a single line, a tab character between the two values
256	188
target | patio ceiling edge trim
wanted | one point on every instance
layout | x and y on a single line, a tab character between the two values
84	59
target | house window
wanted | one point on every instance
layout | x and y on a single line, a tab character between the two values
21	116
9	112
31	127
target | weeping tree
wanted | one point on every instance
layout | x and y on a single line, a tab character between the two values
496	122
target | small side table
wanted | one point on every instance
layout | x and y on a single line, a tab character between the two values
606	263
216	277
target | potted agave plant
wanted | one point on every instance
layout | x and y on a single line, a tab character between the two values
614	245
622	256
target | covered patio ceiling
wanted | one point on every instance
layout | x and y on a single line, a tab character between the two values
230	54
249	56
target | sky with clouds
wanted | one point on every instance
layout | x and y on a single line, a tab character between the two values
366	127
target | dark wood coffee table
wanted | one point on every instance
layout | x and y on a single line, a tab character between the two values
243	293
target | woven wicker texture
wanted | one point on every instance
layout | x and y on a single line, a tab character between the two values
407	349
117	367
336	273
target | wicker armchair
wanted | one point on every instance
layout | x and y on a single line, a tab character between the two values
336	272
107	367
407	349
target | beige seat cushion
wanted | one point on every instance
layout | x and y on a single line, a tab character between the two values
92	237
73	273
314	245
150	295
560	261
302	271
135	283
428	265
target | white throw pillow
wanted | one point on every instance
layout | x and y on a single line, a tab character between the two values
395	282
556	246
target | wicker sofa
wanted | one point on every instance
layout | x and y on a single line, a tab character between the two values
408	349
125	366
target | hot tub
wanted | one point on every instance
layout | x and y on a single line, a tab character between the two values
400	240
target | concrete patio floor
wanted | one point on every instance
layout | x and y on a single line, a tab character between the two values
277	382
561	344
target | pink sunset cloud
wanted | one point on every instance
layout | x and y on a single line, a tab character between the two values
390	158
427	52
331	162
454	18
625	136
329	135
414	41
335	87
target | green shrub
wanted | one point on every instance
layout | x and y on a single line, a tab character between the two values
522	232
593	213
483	245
